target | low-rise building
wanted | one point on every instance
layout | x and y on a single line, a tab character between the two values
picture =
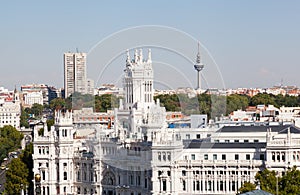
10	109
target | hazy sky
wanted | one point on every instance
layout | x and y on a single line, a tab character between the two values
254	43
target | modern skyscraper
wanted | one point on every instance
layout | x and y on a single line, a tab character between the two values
74	73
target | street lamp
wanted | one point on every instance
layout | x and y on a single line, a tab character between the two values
37	179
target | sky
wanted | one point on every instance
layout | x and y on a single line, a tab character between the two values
244	43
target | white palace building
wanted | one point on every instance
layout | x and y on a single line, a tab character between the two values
141	154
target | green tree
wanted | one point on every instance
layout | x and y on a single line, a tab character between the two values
10	139
37	110
290	182
267	180
106	102
247	187
57	103
204	104
16	177
24	119
26	158
235	102
170	102
41	132
50	122
263	98
291	101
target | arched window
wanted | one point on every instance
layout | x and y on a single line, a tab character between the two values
278	156
283	156
108	179
169	156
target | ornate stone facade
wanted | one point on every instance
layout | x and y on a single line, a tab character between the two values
141	154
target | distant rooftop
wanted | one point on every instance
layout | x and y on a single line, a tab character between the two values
278	128
203	144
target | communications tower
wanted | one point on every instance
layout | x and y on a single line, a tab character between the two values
198	67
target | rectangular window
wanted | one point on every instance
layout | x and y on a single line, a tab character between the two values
65	175
194	185
256	140
205	156
183	185
198	136
227	141
246	140
44	175
183	173
209	185
247	156
223	156
221	186
138	180
233	185
131	179
236	140
261	157
193	156
236	157
215	157
78	176
164	182
187	136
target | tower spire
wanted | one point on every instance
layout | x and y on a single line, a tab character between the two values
149	56
136	56
141	55
198	59
128	58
